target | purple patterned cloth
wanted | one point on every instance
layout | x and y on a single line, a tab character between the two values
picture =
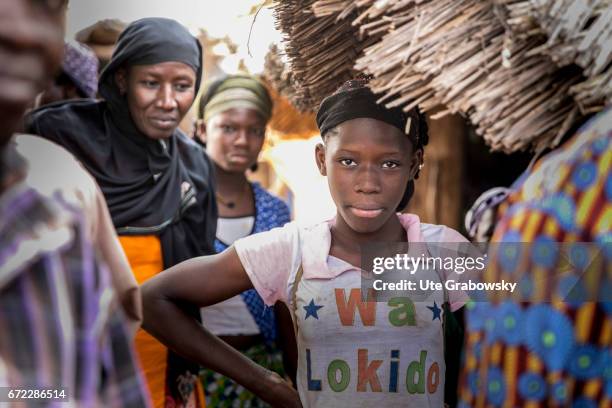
81	66
61	322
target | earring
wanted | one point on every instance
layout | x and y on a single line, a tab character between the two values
421	166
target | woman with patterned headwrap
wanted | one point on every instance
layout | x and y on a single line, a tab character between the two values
234	112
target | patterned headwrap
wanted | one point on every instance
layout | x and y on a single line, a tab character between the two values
235	91
80	64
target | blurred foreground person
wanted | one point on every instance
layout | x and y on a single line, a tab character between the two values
552	347
156	181
62	325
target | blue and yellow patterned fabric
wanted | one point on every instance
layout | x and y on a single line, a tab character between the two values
270	212
549	349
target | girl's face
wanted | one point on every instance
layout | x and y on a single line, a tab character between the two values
368	164
234	138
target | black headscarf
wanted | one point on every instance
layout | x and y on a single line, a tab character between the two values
354	99
147	183
146	42
152	188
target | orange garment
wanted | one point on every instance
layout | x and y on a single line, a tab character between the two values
145	256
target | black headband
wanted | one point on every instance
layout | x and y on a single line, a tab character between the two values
356	100
361	102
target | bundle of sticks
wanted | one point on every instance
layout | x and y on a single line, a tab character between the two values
578	32
457	53
277	73
522	71
321	49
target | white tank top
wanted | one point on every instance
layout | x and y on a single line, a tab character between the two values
231	317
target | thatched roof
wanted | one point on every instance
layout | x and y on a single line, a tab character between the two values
523	71
287	121
305	35
577	32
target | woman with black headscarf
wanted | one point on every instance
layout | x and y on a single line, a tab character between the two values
157	182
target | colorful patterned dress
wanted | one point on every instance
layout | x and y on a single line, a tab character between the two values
553	347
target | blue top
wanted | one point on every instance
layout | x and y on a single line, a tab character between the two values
270	212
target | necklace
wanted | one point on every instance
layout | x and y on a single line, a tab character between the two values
228	204
231	203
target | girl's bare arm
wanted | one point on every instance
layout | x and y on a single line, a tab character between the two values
205	281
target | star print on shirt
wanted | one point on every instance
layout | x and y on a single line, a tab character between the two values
436	311
311	310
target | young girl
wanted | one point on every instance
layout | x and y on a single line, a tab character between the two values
351	353
234	112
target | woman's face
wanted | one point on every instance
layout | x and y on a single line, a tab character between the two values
368	164
234	138
158	96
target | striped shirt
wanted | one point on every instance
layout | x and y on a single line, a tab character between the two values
61	323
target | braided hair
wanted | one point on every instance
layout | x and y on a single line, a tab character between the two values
422	139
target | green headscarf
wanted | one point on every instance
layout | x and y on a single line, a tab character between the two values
235	91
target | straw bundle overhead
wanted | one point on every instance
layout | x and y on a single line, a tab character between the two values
458	54
578	32
339	9
277	74
321	49
523	71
